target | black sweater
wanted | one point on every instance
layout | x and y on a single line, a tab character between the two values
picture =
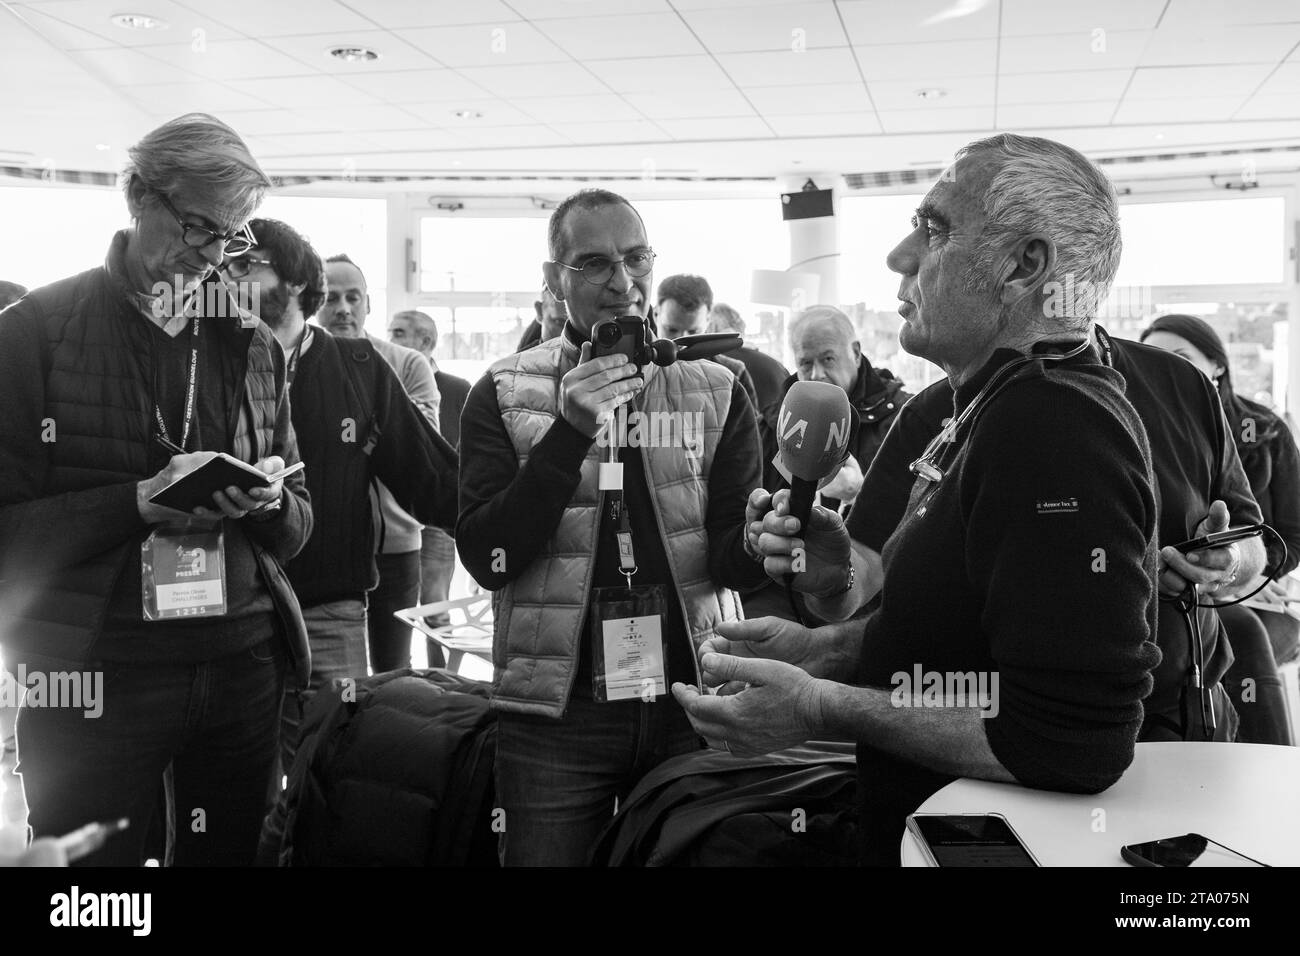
500	502
999	575
409	457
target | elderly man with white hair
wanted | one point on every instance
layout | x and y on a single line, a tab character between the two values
1026	560
177	627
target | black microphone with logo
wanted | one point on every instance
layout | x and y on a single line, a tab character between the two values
815	430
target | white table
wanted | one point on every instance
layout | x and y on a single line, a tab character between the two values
1246	796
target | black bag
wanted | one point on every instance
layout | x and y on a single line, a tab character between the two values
394	770
796	807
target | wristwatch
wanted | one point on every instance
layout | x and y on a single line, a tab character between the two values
848	585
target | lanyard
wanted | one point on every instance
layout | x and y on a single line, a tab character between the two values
291	368
618	513
191	390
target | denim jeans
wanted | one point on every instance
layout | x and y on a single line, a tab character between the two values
213	722
557	780
398	588
437	565
336	632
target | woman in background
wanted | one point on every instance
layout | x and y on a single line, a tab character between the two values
1260	639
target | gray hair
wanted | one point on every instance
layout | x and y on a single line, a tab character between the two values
1044	186
822	313
199	151
422	322
723	318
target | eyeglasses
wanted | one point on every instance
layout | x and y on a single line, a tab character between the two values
199	237
598	269
241	266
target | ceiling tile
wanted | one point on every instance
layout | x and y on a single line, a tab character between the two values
341	146
376	116
650	74
825	98
1116	50
1286	79
772	27
918	21
495	113
176	98
230	60
1199	13
551	79
1219	44
294	91
827	124
398	14
600	108
417	139
1033	17
730	127
1201	109
623	131
1280	106
272	121
313	50
554	9
790	68
418	86
671	104
1153	83
1065	87
958	92
642	34
927	62
728	4
93	17
513	136
977	120
122	66
258	18
1051	115
485	45
63	35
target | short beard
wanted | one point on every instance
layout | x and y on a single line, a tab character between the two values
274	305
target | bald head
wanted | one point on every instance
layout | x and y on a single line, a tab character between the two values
825	347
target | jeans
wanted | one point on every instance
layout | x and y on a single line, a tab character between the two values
1253	680
336	631
213	722
398	588
437	565
557	780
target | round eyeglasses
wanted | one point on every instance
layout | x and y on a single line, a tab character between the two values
599	269
199	237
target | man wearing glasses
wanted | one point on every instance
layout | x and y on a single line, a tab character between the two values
605	583
178	626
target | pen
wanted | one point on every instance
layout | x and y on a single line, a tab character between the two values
171	446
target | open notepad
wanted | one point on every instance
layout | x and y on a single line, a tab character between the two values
194	489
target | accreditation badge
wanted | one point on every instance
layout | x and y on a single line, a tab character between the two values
627	643
183	574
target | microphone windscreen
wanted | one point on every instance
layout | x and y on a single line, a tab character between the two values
814	429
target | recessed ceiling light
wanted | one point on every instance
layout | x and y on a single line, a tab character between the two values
354	54
467	114
455	162
102	147
932	93
138	21
1160	135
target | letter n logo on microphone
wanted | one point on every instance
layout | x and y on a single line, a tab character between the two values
837	435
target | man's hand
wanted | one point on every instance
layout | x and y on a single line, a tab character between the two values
234	503
592	390
144	490
847	482
781	707
819	562
1212	569
821	651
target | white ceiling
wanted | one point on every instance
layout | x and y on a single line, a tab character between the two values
647	87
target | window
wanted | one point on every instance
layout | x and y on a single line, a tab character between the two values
57	231
491	254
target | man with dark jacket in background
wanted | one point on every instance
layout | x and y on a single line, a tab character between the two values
767	373
354	421
682	308
115	383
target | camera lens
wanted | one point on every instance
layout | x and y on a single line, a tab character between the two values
608	334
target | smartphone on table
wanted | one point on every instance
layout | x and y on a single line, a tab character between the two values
977	839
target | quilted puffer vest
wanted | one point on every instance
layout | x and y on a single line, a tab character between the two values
539	617
94	389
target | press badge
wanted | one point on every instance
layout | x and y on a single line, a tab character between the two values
627	643
183	574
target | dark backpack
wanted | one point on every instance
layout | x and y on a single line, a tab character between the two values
394	770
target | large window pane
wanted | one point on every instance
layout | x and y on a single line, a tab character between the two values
481	255
52	232
1216	241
